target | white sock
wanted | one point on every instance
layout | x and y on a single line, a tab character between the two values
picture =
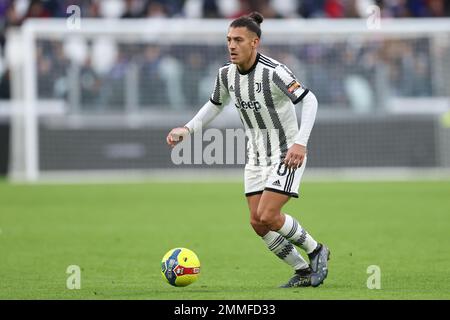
284	250
294	232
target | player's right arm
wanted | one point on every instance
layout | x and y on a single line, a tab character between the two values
205	115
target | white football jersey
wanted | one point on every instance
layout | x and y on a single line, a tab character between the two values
265	97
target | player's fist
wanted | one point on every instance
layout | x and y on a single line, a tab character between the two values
176	135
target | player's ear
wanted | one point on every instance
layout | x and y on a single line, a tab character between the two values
255	42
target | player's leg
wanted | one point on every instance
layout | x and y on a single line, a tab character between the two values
269	214
260	229
282	184
276	243
283	249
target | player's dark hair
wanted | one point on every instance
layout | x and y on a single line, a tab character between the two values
252	22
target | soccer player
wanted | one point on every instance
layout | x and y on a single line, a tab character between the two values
265	93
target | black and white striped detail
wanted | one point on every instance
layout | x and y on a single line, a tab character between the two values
244	115
283	86
290	194
289	180
259	120
276	243
301	240
273	125
281	247
224	76
215	99
287	70
267	92
220	84
285	251
287	184
293	230
267	62
301	97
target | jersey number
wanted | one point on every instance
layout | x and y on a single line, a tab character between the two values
279	170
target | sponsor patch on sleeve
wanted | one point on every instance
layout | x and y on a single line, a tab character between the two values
294	85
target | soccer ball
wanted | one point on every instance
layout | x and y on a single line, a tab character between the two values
180	267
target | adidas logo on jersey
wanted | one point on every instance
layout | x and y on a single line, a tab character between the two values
277	183
231	88
252	105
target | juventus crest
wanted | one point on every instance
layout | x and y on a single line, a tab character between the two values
258	87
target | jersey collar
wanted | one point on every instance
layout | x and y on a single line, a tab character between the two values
252	67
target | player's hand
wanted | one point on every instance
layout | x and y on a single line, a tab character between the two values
295	156
176	135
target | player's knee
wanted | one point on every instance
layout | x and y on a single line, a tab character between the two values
257	226
267	216
254	220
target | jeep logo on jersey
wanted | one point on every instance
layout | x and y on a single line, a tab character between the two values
252	105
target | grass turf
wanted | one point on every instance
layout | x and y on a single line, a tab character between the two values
118	234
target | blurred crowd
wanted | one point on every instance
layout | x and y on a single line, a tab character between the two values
179	76
14	12
356	74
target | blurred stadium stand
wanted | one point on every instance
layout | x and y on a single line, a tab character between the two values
381	97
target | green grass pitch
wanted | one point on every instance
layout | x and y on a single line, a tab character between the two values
118	233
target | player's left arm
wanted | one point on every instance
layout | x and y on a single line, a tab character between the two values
297	152
286	81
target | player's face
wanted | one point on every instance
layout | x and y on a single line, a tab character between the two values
241	44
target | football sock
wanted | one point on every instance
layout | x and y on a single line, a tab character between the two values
284	250
294	232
